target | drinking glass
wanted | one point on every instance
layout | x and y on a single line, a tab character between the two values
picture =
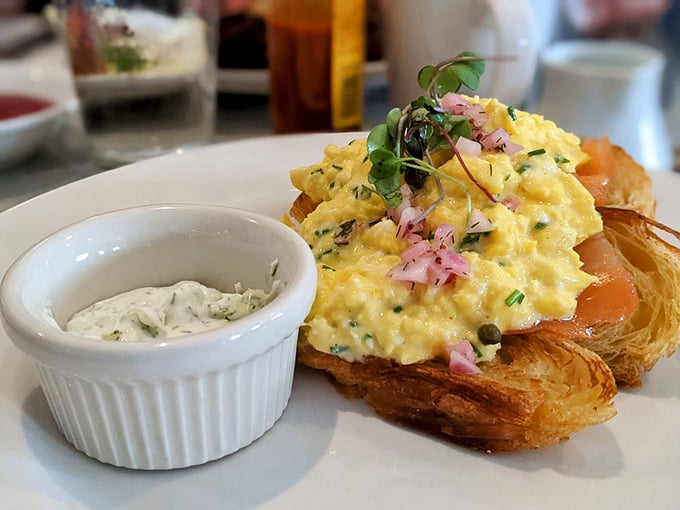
144	72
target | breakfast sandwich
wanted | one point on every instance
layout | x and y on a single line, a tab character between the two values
484	275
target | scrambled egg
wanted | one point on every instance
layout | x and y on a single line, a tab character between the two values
359	311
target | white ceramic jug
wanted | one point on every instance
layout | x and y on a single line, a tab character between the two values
608	88
418	33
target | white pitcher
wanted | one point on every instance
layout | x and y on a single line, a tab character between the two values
608	88
418	33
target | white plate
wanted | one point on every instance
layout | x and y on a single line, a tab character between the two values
256	81
326	452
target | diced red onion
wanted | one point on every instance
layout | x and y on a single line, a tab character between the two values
479	223
443	236
406	222
455	103
499	139
435	264
415	251
511	202
469	147
415	272
512	147
462	358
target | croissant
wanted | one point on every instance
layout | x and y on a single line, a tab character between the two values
541	386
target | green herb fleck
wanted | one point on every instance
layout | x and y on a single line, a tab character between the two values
512	113
514	297
331	185
150	330
114	335
540	225
398	309
324	266
353	323
362	192
471	238
337	349
337	167
125	59
523	168
317	171
325	252
559	159
478	352
321	232
536	152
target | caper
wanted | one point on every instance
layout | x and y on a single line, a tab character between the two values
489	334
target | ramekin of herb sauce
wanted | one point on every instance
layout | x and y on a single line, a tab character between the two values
120	401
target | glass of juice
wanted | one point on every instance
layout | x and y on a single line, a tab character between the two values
316	56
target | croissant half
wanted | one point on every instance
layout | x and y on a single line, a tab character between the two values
539	388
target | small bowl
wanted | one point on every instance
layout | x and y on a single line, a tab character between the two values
165	403
23	136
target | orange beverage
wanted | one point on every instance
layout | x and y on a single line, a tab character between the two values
316	57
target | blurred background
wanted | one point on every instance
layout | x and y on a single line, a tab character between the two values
243	85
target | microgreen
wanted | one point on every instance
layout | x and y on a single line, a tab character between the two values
405	142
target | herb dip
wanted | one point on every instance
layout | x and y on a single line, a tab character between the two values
151	313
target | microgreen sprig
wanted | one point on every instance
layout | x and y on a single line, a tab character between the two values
408	138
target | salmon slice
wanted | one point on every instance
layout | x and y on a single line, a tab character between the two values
610	300
613	298
596	173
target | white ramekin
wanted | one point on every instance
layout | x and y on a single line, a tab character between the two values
172	403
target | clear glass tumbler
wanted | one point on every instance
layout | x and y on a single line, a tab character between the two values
144	72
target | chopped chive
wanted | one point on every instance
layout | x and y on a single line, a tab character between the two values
397	309
337	167
490	169
512	113
321	232
540	225
368	336
325	252
470	238
536	152
514	297
507	177
317	171
337	349
353	323
559	159
324	266
331	185
365	158
478	352
523	168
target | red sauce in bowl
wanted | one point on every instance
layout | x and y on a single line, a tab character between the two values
14	105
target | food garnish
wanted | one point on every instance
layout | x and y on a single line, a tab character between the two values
443	120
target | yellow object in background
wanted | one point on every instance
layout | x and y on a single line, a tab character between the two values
316	54
347	63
